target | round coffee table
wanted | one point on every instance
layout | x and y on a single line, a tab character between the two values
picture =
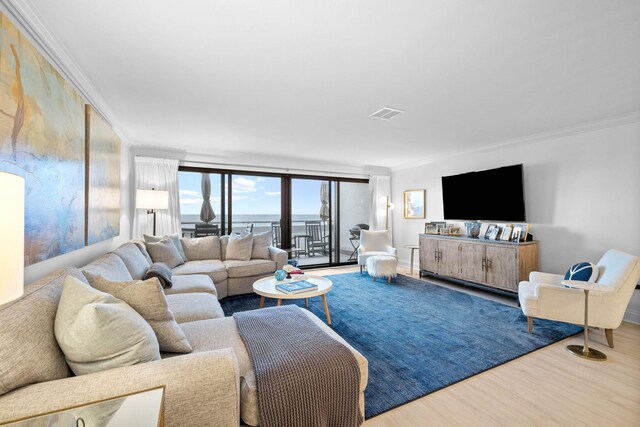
266	288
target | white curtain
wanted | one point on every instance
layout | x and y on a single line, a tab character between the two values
160	174
379	191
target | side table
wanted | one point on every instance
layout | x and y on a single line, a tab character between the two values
413	249
584	351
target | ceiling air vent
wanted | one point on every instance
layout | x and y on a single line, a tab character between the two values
386	113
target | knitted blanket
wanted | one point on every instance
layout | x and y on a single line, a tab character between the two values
303	376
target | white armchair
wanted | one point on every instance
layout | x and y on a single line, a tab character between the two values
373	243
544	296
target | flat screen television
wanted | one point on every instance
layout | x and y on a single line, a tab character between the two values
488	195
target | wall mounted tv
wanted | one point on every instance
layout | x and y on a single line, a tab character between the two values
488	195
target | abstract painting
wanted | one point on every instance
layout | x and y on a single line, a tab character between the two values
42	139
103	178
414	203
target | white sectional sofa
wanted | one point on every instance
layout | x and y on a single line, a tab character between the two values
212	386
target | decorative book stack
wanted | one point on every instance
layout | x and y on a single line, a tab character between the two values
297	287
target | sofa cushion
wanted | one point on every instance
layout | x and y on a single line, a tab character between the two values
194	306
239	247
147	298
224	243
175	238
143	249
222	333
201	248
110	266
249	268
261	243
213	268
29	352
97	331
190	283
133	259
164	251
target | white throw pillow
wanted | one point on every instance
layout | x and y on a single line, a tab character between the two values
201	248
97	331
175	238
239	247
261	243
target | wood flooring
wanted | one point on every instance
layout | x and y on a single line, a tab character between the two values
549	387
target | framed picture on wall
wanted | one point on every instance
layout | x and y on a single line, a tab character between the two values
414	204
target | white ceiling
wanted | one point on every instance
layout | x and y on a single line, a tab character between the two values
301	77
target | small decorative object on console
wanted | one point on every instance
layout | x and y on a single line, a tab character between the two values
506	233
455	231
473	228
430	228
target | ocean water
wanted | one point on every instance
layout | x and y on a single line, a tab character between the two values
252	218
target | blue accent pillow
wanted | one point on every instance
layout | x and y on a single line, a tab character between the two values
583	271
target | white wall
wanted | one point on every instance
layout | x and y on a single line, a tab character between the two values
354	209
582	195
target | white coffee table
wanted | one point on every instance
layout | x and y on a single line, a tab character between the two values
266	288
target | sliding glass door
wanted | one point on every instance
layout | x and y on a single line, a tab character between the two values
315	219
310	220
255	204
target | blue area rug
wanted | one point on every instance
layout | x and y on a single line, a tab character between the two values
420	337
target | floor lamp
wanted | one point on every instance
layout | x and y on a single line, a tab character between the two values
152	200
12	232
389	207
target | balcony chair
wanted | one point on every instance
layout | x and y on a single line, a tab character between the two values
374	243
544	296
203	230
317	242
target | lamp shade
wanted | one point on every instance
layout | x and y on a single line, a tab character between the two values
152	199
12	232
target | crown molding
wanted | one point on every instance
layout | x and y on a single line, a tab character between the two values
591	126
29	21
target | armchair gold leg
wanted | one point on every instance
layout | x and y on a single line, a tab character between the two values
609	335
530	321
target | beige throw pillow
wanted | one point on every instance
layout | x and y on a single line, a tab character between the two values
202	248
147	298
164	251
175	238
96	331
239	247
261	243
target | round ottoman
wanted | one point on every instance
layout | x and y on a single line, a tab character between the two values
382	266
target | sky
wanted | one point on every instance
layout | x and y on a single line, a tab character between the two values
251	194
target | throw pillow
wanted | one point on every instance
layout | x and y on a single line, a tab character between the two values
202	248
96	331
147	298
164	251
175	238
160	271
583	271
239	247
261	243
